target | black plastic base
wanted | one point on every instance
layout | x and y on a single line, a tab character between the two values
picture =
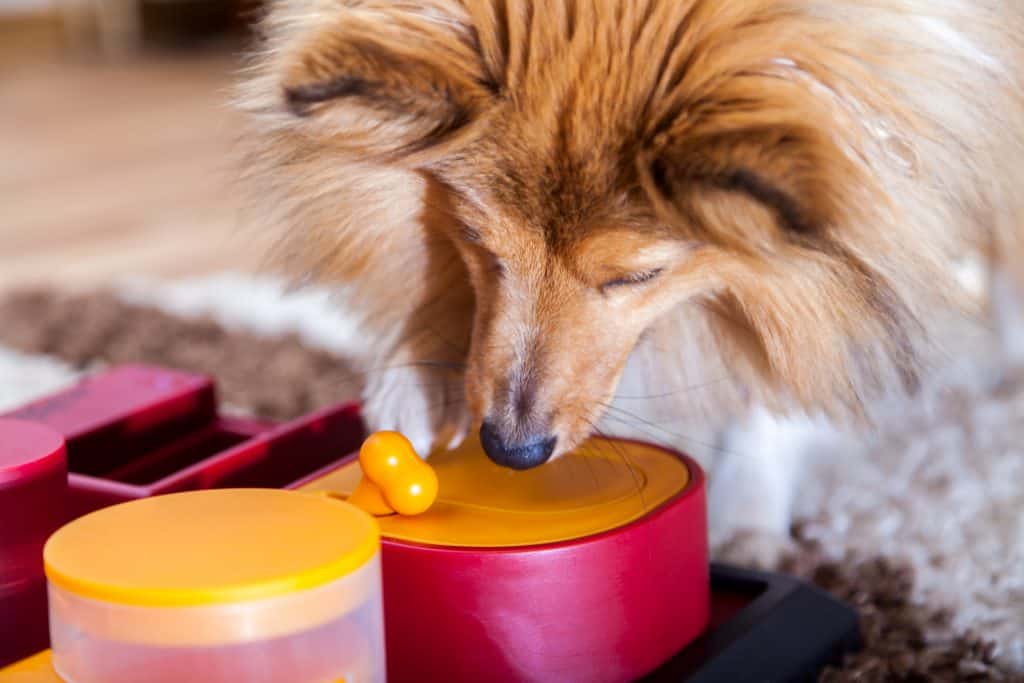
765	627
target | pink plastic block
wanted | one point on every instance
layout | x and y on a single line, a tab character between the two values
33	494
138	431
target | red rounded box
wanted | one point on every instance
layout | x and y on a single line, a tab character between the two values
607	607
33	497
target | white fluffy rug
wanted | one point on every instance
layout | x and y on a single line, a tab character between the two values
24	377
942	487
941	484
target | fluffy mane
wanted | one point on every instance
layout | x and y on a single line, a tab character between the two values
832	158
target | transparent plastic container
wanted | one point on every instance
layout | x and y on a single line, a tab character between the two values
255	585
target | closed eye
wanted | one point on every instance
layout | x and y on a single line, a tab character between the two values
632	279
471	236
491	261
495	265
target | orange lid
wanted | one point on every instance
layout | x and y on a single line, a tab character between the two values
209	547
603	485
36	669
39	669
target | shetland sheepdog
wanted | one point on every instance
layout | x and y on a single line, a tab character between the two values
559	218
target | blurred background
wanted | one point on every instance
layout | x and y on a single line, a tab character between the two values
116	139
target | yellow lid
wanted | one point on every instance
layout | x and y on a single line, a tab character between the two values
602	485
36	669
39	669
209	547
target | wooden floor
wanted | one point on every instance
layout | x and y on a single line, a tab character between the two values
114	170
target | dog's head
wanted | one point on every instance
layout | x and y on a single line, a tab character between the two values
599	166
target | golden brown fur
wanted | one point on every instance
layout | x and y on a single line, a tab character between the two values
480	177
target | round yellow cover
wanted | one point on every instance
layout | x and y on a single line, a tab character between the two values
208	547
600	486
35	669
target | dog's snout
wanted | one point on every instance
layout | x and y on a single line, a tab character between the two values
515	455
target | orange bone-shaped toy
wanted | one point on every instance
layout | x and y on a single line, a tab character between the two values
394	479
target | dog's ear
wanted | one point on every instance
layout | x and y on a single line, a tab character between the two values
388	81
792	169
772	189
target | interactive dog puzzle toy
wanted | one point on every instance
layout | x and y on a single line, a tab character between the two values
591	568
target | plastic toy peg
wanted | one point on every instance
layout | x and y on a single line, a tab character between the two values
395	479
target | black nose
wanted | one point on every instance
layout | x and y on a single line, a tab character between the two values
515	456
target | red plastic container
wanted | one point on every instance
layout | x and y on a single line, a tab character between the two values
33	497
601	607
138	431
611	607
